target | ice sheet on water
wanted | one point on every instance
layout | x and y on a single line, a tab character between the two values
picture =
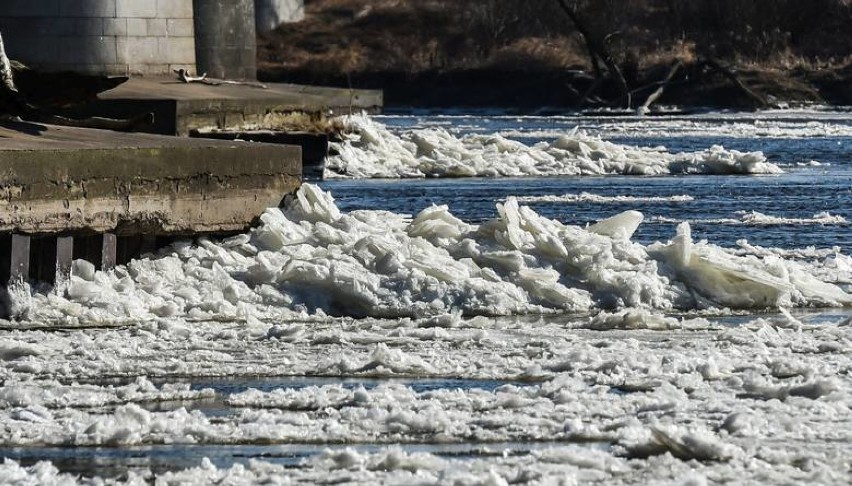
755	402
53	395
370	150
596	198
756	218
311	257
766	124
670	396
827	264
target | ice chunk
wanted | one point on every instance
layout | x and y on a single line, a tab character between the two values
311	257
369	149
621	226
83	269
692	444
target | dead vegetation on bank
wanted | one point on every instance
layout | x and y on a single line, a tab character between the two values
295	122
749	53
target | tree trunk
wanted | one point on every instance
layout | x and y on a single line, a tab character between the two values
653	97
758	100
594	54
598	51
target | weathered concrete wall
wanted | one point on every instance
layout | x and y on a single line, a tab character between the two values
82	181
225	38
100	36
270	14
179	108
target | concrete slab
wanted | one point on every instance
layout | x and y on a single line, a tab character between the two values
314	145
181	107
77	181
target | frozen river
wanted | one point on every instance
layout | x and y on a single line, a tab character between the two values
473	300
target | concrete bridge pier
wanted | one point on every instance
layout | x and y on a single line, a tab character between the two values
48	258
15	265
100	250
108	197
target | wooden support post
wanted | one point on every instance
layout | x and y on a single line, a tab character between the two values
64	258
109	251
19	266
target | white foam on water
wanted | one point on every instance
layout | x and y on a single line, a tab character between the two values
310	257
756	218
370	150
600	199
822	218
663	127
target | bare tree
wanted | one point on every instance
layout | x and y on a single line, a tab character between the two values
596	45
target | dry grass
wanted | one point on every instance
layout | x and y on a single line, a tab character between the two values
476	51
534	53
296	122
413	36
681	50
356	36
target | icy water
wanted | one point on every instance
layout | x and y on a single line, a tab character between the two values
720	205
356	338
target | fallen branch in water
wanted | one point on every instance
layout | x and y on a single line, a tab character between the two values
653	97
758	100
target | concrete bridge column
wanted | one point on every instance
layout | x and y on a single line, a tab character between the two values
100	250
15	264
225	38
64	258
150	37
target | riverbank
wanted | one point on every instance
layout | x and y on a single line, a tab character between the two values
531	89
500	55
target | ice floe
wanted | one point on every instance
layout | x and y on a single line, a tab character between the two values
371	150
601	199
670	127
311	257
756	218
759	402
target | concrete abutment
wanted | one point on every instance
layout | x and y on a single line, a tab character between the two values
107	197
